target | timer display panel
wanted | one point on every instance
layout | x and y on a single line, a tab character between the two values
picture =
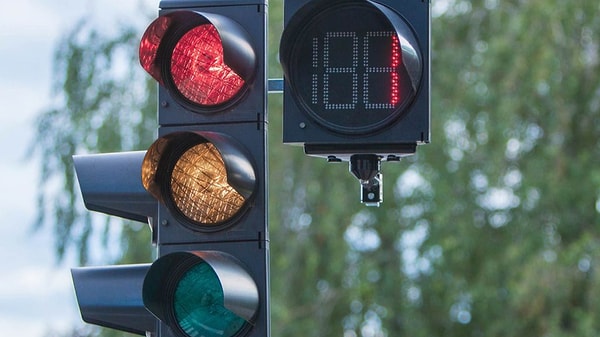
356	80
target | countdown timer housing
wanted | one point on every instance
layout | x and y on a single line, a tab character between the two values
356	77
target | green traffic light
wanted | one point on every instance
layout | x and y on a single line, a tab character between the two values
198	305
201	294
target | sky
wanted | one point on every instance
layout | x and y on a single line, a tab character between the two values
36	292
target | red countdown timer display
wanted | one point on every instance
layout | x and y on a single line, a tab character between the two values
353	66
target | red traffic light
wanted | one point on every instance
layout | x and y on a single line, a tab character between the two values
198	69
203	59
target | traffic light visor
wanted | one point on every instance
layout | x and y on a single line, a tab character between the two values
204	178
204	60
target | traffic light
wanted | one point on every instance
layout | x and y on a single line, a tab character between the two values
201	185
207	169
357	82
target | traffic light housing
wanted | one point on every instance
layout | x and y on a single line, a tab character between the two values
207	169
356	76
201	185
357	82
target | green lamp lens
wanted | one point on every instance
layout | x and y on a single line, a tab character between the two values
198	304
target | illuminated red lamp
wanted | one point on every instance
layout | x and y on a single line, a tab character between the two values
204	60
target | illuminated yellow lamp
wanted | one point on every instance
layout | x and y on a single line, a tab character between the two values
204	178
199	186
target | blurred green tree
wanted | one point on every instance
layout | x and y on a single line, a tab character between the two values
492	230
101	104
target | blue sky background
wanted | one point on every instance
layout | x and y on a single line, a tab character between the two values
36	293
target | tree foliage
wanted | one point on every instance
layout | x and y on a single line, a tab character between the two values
491	230
102	103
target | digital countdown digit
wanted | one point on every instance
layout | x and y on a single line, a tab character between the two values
352	68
